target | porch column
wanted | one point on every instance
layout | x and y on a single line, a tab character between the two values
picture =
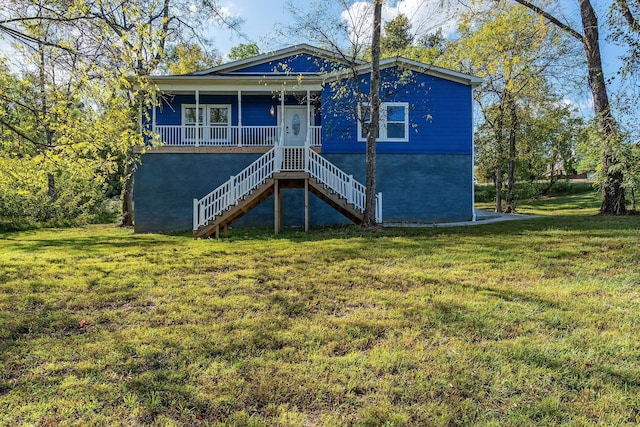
153	116
307	142
282	124
239	118
197	118
140	113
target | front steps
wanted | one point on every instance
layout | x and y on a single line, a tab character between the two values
279	181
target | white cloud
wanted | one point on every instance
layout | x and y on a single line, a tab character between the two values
426	16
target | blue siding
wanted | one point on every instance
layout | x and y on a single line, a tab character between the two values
299	63
255	108
440	115
416	188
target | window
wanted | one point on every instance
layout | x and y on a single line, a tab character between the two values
214	125
394	123
189	120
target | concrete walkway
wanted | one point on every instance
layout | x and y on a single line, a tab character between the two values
482	217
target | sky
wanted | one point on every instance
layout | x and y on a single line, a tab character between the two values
265	23
264	19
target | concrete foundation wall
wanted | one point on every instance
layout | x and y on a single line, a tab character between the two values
416	188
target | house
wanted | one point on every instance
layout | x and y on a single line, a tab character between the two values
275	139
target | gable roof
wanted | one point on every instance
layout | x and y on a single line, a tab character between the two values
419	67
231	73
299	49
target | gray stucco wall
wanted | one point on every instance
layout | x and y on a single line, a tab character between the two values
416	188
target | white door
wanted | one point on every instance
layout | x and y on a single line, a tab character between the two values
295	128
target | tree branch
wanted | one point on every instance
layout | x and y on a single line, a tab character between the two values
626	12
551	18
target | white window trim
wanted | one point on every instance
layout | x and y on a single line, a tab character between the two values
383	123
206	121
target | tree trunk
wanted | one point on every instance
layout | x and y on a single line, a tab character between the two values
372	134
511	172
498	182
614	198
127	197
498	132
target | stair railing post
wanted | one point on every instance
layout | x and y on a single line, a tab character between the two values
350	189
232	191
195	214
278	165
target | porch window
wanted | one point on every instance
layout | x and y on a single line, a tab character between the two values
189	122
219	116
214	120
394	123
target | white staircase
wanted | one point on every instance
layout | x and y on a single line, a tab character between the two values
279	159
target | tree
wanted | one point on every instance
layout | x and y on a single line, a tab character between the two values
625	27
104	41
513	50
551	132
374	104
397	36
612	182
244	51
186	57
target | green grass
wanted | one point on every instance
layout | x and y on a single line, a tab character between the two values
583	203
519	323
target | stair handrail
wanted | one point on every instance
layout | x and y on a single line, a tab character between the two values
337	180
263	168
234	189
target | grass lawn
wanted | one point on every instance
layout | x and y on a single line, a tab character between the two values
531	322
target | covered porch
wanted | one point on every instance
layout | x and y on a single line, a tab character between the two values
247	117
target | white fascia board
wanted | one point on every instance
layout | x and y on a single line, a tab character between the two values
414	66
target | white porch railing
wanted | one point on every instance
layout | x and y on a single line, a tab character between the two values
301	159
315	135
252	136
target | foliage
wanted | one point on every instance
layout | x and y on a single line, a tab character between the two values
24	193
397	36
244	51
185	58
515	52
626	151
625	30
516	323
71	104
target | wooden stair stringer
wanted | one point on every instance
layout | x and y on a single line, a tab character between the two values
335	201
234	212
